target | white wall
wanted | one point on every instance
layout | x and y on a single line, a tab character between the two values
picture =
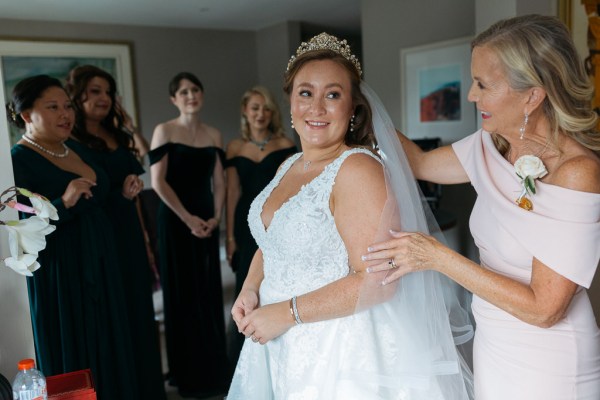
389	26
579	26
274	45
489	11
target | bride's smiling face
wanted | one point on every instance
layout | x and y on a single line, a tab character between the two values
321	103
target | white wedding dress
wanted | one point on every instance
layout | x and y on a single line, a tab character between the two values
347	358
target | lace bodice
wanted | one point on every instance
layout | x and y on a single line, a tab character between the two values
302	249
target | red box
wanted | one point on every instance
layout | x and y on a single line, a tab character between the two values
77	385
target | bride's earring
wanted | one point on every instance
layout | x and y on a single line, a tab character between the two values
352	123
292	119
523	125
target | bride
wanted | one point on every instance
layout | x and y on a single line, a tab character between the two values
318	326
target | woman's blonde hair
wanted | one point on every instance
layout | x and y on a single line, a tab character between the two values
275	126
537	51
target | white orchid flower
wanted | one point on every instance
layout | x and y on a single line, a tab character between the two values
42	206
25	264
28	235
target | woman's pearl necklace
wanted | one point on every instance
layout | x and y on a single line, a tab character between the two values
45	150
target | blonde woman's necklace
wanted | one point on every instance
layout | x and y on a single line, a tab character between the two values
538	155
45	150
261	143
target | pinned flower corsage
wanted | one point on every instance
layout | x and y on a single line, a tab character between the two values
528	169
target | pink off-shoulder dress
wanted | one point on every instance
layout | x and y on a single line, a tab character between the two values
514	360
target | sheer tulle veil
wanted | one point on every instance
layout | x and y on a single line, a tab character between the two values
425	307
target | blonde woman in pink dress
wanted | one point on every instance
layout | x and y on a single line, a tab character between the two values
536	221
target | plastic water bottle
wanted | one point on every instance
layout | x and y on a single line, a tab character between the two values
29	384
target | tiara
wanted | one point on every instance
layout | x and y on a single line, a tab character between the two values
325	41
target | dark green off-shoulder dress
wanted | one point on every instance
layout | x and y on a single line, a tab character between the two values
190	273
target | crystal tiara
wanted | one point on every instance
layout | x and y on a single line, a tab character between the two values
325	41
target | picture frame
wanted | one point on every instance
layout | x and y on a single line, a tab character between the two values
21	58
435	81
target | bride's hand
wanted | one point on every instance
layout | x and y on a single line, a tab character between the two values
406	252
246	301
268	322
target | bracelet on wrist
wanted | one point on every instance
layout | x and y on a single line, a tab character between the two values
294	311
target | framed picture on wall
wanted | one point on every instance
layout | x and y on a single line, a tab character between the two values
21	58
435	81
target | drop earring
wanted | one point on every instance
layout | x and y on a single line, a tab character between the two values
292	119
352	123
523	125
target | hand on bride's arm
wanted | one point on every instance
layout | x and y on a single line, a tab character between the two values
405	252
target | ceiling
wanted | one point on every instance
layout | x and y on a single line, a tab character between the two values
252	15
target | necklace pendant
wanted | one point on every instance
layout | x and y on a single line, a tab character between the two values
261	144
307	165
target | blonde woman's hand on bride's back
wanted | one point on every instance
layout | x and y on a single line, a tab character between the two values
405	252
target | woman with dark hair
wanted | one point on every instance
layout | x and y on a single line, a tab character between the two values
252	161
117	121
99	131
187	175
77	295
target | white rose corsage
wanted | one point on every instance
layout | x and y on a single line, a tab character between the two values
528	169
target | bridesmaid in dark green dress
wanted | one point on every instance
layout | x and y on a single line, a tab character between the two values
99	131
252	162
187	174
76	297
